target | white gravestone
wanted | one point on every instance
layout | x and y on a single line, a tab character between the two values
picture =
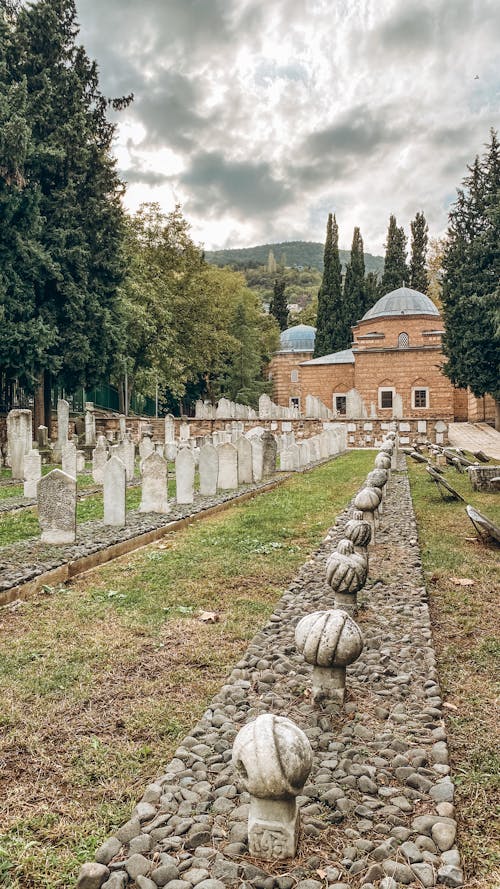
99	460
154	485
208	469
257	458
122	427
228	467
184	476
265	407
146	446
89	429
69	458
169	428
19	440
244	448
57	508
184	432
114	493
80	461
62	423
42	437
32	473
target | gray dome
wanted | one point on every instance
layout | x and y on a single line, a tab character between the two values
298	339
403	301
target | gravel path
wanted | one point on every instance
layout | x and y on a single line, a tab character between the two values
378	808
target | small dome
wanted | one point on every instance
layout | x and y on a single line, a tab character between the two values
298	339
403	301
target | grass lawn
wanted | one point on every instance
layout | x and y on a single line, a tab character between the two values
463	581
99	680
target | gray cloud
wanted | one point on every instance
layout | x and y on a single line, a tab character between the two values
217	184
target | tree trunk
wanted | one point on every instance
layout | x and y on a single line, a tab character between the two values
39	407
497	415
47	401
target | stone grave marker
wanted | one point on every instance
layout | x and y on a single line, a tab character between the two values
244	448
57	508
42	436
270	452
114	492
169	428
32	473
122	427
99	460
184	476
257	458
19	440
69	459
80	461
90	429
228	467
154	485
62	424
146	446
208	469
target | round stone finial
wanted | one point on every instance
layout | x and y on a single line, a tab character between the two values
358	532
367	499
382	461
391	436
328	638
272	757
346	571
377	478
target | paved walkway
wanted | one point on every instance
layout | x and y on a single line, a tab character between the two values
475	437
378	806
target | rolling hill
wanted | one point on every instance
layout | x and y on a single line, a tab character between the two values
297	253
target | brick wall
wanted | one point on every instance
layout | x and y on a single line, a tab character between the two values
281	367
323	380
418	328
369	433
480	410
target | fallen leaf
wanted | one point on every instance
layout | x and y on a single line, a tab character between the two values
209	617
462	581
449	706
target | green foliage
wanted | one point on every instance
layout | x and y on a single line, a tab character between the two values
419	278
305	254
471	293
396	273
371	291
279	307
332	327
354	282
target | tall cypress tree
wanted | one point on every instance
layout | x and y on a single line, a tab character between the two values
354	283
419	278
471	293
279	306
395	269
331	325
79	192
371	291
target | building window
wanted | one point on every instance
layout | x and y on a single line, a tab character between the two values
294	376
403	341
340	405
420	397
270	375
385	398
295	402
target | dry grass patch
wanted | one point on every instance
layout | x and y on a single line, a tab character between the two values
466	624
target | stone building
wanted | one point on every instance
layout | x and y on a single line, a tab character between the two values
392	370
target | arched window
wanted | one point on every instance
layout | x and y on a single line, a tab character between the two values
294	376
403	341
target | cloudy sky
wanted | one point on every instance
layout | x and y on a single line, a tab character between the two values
261	116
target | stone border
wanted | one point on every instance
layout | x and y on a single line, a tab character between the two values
378	807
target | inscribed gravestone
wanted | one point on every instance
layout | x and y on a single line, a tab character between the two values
184	476
19	437
228	467
208	469
127	455
146	446
114	493
69	458
244	448
270	451
99	460
62	423
169	428
57	507
154	485
32	473
89	428
257	458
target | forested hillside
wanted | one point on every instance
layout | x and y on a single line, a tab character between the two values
288	253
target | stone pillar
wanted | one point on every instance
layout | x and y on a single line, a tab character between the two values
32	474
367	500
57	508
272	757
329	640
114	493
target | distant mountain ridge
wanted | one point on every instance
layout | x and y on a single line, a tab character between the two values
297	253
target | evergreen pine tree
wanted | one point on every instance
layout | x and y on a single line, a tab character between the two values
419	278
278	306
395	269
332	328
354	283
79	193
471	293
